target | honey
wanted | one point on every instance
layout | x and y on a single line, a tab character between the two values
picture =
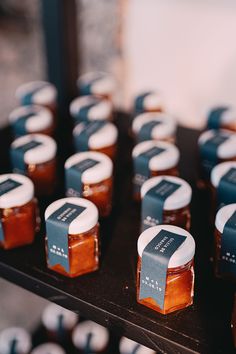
150	101
128	346
222	117
98	84
48	348
15	340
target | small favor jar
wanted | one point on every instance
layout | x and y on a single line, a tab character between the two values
72	236
18	211
151	158
149	101
154	126
89	175
166	200
48	348
90	337
225	242
128	346
35	156
96	136
222	117
90	108
31	119
165	271
98	84
15	340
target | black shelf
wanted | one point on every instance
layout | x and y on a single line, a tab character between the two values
108	296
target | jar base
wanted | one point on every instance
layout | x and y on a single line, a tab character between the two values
61	271
150	303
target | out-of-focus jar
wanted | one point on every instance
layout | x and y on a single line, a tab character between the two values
48	348
149	101
89	175
165	271
151	158
222	117
99	84
15	340
35	156
31	119
166	200
96	136
128	346
72	236
90	337
18	211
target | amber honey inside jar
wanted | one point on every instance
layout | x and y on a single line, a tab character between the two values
48	348
222	117
128	346
150	101
15	340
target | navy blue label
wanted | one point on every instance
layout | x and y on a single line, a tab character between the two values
19	125
136	349
228	247
141	166
13	347
74	185
153	203
214	119
155	260
87	348
226	191
145	133
139	102
57	226
17	155
60	328
82	139
86	88
28	97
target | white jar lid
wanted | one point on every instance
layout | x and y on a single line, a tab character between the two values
99	339
152	100
163	161
41	117
51	314
48	348
84	221
97	173
182	255
220	170
179	199
45	92
165	129
227	149
106	136
223	215
22	337
44	152
228	116
101	109
127	346
100	83
19	195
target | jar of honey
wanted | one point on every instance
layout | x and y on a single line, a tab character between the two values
154	126
72	236
225	242
18	211
31	119
90	337
152	158
35	156
222	117
15	340
89	175
166	200
128	346
48	348
149	101
98	84
165	271
96	136
90	108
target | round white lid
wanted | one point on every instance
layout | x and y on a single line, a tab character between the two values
41	117
22	337
127	346
106	136
44	152
152	101
46	92
163	161
48	348
101	110
101	83
223	215
182	255
97	173
19	195
84	222
220	170
225	150
228	116
179	199
51	314
99	339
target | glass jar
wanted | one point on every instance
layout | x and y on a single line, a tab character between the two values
172	280
19	217
89	175
90	337
35	156
154	126
128	346
90	108
166	200
31	119
222	117
15	340
150	101
96	136
151	158
72	236
225	243
98	84
48	348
